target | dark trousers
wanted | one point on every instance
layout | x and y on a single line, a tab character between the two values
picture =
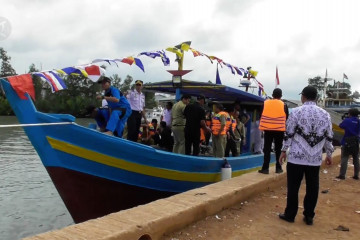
345	157
231	146
269	137
192	139
295	174
133	125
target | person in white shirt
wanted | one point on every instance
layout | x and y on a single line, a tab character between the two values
137	102
166	114
308	131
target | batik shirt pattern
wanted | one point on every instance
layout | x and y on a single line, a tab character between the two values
308	131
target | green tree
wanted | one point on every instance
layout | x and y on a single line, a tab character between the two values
127	85
317	82
150	101
38	83
356	95
6	68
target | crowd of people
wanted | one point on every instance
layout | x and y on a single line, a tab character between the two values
187	128
184	128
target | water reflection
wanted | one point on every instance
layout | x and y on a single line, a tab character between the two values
29	201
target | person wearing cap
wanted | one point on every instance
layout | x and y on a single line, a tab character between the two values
308	131
178	124
195	119
119	107
272	122
350	143
137	103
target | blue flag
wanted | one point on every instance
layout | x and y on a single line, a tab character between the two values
218	80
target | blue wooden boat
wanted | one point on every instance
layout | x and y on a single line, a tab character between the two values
96	174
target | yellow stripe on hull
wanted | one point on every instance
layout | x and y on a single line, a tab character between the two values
135	167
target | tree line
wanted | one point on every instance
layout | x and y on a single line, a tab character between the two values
80	93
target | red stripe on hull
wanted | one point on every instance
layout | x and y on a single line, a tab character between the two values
88	197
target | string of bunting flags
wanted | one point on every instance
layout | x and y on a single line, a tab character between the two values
55	78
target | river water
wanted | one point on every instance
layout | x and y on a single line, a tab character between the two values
29	202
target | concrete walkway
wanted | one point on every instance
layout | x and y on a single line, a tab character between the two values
152	220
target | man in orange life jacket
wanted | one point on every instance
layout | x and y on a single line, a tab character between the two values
218	129
272	122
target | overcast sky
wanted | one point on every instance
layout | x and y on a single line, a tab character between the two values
302	37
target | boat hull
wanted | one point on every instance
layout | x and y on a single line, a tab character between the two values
87	196
96	174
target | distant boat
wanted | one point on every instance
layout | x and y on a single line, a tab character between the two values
96	174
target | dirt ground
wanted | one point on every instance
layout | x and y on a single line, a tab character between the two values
257	218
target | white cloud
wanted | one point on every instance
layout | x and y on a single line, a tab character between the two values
302	37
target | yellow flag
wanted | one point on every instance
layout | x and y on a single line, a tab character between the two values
253	73
185	46
175	50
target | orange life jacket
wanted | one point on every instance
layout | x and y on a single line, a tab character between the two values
228	121
216	123
273	117
152	129
233	123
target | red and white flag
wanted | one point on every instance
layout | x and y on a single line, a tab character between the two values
277	81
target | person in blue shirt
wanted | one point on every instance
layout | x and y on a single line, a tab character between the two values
351	125
118	105
101	116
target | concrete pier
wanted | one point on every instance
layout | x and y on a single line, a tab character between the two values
163	216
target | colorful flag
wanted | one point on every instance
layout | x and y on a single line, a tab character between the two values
253	73
128	60
164	58
23	84
230	66
217	59
218	80
345	77
161	54
150	54
195	52
109	61
238	70
176	51
277	81
94	72
55	81
139	64
185	46
70	70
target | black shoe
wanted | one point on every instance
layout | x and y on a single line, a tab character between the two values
263	171
284	217
356	177
308	220
340	177
279	170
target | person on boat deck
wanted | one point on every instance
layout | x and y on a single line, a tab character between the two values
195	119
166	114
101	116
154	131
240	132
166	140
219	130
178	124
272	122
119	107
137	103
243	116
231	138
351	125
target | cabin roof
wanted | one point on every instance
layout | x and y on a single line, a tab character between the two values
215	92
